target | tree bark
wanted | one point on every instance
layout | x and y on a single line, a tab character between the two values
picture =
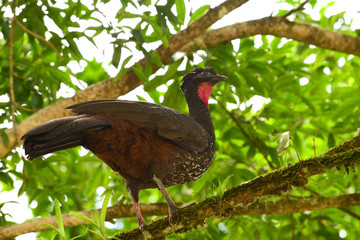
279	27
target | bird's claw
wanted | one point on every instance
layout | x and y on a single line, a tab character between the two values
172	211
142	226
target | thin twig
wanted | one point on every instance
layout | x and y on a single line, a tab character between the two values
297	153
11	71
25	108
4	44
352	146
318	195
314	139
38	37
313	192
252	140
351	213
299	8
292	222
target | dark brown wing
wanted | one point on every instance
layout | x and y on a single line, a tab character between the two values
166	122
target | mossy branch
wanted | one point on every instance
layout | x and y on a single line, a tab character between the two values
239	200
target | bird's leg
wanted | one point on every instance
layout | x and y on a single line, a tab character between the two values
172	208
135	199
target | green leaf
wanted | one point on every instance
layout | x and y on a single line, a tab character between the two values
198	13
181	10
159	80
251	152
57	231
139	72
331	140
173	97
123	70
246	44
83	217
96	216
274	156
223	186
137	34
246	174
145	2
5	178
36	100
59	220
93	73
155	59
116	56
5	28
4	137
103	214
96	233
81	235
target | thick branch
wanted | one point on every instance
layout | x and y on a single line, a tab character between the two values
111	88
280	27
282	206
273	183
286	205
116	211
235	201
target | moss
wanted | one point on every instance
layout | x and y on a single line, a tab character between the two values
273	183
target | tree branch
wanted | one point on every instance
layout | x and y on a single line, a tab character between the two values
116	211
282	206
279	27
273	183
11	66
299	8
239	200
113	88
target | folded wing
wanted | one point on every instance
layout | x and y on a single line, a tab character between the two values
166	122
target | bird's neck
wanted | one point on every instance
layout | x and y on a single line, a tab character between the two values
197	100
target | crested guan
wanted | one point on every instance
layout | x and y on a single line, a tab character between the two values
149	145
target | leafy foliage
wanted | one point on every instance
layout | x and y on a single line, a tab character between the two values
276	86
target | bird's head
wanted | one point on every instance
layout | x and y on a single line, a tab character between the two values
201	79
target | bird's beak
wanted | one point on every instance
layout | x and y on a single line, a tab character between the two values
223	78
218	78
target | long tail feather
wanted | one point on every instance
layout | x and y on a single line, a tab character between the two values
59	134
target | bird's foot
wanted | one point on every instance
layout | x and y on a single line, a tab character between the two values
142	225
172	211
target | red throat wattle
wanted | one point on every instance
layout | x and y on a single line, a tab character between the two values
204	90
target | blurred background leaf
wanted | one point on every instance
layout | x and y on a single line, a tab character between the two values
275	85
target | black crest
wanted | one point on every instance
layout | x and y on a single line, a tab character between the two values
198	75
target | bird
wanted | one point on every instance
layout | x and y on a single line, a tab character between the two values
149	145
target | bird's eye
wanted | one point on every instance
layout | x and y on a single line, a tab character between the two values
203	73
